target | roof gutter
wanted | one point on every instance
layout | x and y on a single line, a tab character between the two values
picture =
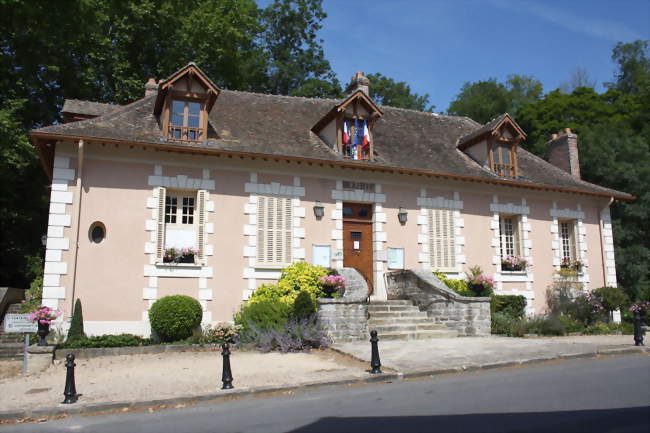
343	164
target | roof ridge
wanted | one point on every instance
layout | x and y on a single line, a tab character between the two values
92	102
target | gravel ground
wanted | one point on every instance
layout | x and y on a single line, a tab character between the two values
147	377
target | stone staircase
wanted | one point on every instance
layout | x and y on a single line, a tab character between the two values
11	345
402	320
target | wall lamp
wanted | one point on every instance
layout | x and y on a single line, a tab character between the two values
319	209
402	216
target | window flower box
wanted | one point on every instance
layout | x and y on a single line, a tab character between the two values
182	255
575	265
514	264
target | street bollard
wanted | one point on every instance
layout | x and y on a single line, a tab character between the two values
638	332
375	363
226	376
70	391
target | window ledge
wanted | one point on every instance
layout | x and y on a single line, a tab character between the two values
514	276
178	265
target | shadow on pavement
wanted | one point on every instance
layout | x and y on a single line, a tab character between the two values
628	420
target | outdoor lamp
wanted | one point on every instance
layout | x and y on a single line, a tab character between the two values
44	240
319	210
402	215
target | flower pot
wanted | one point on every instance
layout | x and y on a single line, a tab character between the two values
330	290
186	259
480	289
43	330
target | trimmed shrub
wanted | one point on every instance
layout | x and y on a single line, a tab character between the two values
121	340
612	298
304	306
175	317
512	305
502	323
76	330
458	286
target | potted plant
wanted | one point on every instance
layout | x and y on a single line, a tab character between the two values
575	265
332	285
479	283
187	255
514	263
44	317
170	255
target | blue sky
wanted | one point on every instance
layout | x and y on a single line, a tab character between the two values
437	45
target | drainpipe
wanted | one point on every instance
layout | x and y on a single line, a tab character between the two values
602	242
80	165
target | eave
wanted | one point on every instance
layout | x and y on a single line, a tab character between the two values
174	147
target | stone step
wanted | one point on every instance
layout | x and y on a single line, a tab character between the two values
398	314
11	351
392	302
397	320
418	335
407	327
388	307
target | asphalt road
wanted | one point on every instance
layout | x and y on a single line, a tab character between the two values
592	395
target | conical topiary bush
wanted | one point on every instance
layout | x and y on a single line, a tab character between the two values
76	330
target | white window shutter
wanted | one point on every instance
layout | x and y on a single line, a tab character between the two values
274	230
442	246
160	226
201	197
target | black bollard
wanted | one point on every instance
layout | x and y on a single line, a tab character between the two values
226	375
70	391
638	332
375	363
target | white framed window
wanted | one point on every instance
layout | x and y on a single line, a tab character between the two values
181	221
442	248
509	236
567	240
274	231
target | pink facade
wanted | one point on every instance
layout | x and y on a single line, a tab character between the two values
118	278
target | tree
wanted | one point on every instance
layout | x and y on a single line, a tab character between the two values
387	91
291	44
76	330
317	88
633	74
484	100
579	78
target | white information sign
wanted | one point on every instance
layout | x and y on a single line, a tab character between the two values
19	323
395	258
321	255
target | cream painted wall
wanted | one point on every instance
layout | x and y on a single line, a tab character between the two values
110	276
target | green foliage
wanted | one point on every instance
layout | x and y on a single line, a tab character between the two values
458	286
121	340
612	298
571	325
34	295
502	324
547	325
304	305
513	306
175	317
76	330
261	315
317	88
484	100
633	74
387	91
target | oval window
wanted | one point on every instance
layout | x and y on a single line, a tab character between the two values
97	232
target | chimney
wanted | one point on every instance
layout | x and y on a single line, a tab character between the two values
359	81
563	152
151	88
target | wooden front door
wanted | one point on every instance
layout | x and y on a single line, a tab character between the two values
357	239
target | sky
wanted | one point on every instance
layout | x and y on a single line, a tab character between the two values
437	45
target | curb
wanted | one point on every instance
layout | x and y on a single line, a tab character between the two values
60	410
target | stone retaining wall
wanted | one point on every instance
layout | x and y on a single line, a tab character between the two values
467	315
346	318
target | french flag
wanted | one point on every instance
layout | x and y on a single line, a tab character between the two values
346	133
366	134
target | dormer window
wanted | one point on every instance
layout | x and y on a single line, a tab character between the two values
503	160
347	127
183	104
185	121
494	145
355	139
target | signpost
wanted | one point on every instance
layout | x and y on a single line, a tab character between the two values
20	323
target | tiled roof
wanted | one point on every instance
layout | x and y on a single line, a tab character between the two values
76	106
281	125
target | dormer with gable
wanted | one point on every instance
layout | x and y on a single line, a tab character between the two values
347	127
494	145
183	104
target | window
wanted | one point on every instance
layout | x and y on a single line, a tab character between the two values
97	232
356	139
185	121
442	251
567	239
503	160
509	233
274	231
181	221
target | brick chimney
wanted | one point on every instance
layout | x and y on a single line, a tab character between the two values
150	88
359	81
563	152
